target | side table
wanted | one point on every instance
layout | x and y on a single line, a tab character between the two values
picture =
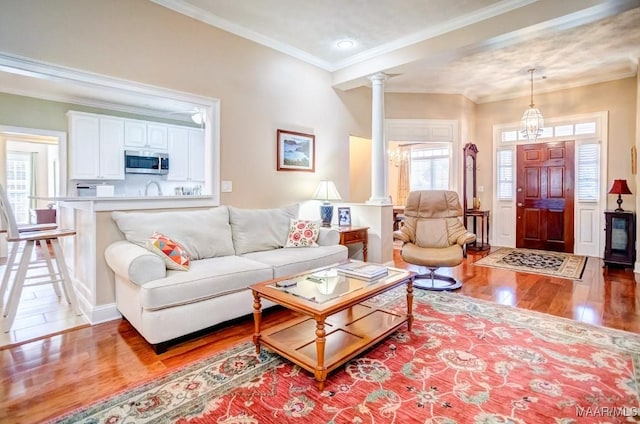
351	235
482	239
620	238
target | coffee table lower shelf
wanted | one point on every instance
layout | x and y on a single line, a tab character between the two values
346	334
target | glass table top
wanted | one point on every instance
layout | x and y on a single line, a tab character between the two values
330	283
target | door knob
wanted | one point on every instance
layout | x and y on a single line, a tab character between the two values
520	205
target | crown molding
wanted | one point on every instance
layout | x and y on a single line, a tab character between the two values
65	76
185	8
225	25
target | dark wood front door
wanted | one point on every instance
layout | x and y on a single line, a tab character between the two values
545	196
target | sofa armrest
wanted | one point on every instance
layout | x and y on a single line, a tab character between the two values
134	263
328	237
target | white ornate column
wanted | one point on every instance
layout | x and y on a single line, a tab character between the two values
379	193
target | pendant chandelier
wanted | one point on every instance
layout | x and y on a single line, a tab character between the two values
532	121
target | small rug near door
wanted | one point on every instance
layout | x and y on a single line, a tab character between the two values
465	361
556	264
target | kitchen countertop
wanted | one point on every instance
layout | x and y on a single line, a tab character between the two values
97	204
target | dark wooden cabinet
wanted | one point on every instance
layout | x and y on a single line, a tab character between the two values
620	243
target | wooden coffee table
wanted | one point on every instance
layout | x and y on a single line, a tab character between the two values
333	324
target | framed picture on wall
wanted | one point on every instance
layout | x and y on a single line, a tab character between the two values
296	151
344	217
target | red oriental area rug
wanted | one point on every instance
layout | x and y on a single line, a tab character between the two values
465	361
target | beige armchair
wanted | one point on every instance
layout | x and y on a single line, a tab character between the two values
433	236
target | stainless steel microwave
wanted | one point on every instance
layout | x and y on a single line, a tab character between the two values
146	162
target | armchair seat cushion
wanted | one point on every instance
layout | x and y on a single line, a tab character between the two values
432	256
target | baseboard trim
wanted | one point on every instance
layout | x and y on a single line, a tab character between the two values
95	314
104	313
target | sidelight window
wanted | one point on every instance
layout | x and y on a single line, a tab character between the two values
505	171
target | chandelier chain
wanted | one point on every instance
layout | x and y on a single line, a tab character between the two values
531	71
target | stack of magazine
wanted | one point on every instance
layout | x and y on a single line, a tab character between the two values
363	270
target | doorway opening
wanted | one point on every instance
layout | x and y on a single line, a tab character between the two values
32	169
588	134
32	173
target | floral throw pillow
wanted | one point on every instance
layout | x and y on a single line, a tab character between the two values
174	255
303	233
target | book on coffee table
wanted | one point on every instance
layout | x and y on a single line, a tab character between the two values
363	270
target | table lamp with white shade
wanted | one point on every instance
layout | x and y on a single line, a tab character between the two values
327	192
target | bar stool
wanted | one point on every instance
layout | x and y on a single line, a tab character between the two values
57	271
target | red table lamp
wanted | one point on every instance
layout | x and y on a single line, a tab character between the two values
619	187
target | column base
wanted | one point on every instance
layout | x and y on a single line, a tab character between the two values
379	201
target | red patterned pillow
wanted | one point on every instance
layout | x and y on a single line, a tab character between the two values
174	255
303	233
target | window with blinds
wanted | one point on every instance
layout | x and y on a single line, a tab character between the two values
505	171
19	184
430	167
588	177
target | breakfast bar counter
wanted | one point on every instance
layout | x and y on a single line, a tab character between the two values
95	230
122	203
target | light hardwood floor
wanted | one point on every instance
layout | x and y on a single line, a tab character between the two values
40	314
45	378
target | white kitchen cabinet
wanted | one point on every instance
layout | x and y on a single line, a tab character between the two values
196	155
96	147
84	146
135	134
111	149
186	154
157	136
144	135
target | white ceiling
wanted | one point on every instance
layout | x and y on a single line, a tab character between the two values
570	43
416	42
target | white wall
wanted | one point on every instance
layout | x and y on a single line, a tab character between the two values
260	90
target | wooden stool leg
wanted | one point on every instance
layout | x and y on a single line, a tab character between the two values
16	289
7	273
67	284
52	272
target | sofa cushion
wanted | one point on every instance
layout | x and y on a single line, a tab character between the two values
172	253
291	260
204	233
303	233
256	230
207	278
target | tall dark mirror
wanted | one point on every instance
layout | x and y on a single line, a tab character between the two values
470	152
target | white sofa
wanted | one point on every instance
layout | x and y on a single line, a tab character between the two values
230	248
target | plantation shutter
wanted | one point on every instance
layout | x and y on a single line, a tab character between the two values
588	172
505	170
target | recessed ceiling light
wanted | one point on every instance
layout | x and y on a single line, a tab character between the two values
345	44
